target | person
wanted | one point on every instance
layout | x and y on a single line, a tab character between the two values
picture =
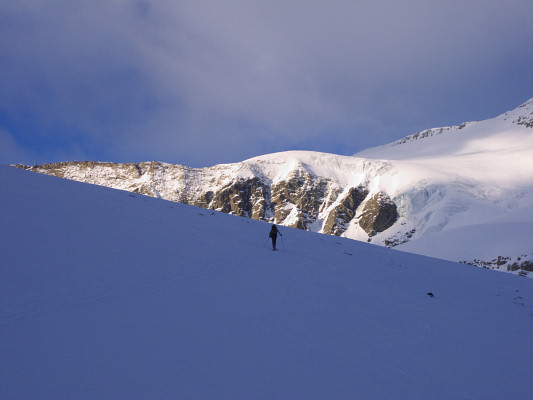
274	235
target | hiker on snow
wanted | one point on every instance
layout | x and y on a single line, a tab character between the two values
274	235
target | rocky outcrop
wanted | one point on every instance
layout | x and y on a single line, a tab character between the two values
525	118
379	214
521	265
431	132
339	217
297	199
242	197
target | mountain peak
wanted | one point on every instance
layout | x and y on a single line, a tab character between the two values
527	104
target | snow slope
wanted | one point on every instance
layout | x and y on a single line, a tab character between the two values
109	295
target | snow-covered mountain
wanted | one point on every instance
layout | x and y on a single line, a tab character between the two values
466	191
462	193
307	190
106	294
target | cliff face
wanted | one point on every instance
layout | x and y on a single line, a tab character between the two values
284	191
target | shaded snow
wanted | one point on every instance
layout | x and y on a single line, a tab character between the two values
109	295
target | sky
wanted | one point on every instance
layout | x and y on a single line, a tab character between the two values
206	82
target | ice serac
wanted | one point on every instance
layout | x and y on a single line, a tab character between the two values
462	193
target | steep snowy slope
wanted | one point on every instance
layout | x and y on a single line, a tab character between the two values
105	294
467	191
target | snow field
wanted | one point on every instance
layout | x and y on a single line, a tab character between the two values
109	295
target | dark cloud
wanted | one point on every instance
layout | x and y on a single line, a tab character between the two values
202	82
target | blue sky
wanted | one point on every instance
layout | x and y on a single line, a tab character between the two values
207	82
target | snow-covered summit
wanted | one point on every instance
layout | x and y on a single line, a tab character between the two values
522	115
346	170
506	132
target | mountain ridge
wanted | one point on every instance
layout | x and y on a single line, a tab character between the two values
521	116
393	195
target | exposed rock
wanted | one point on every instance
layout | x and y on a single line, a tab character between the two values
526	266
300	196
513	267
245	198
399	238
525	121
330	198
431	132
344	212
379	214
526	117
517	265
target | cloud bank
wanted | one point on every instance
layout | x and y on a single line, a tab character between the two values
203	82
